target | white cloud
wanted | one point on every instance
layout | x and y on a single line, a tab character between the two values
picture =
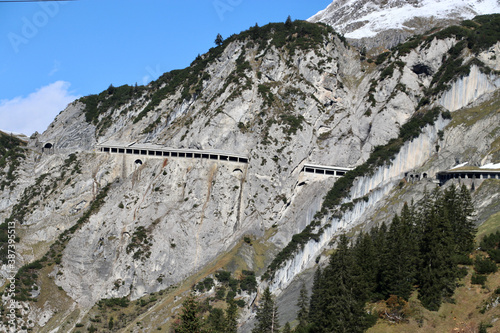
36	111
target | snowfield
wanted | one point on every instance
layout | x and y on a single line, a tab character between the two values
359	18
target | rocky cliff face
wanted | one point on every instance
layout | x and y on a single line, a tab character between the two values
283	95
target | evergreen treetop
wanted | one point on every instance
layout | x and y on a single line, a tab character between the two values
267	315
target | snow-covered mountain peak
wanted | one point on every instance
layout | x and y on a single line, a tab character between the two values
358	19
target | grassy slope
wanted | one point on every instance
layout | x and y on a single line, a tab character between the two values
465	313
490	226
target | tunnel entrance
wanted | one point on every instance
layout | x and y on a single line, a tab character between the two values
48	147
138	162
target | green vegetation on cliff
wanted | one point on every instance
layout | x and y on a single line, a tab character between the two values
96	106
11	152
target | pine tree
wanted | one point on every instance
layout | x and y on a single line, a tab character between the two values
275	323
409	249
464	226
437	272
111	89
189	320
316	300
409	220
400	270
231	325
379	237
302	303
219	40
288	22
451	210
267	315
287	328
216	320
367	265
342	309
387	271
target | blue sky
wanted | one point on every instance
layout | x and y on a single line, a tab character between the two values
54	52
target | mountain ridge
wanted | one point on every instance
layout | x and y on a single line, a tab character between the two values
395	20
286	95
